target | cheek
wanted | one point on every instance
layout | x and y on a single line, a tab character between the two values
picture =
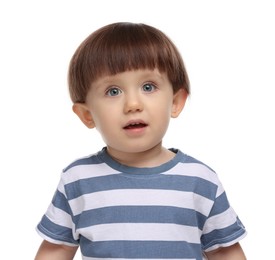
161	117
105	122
163	109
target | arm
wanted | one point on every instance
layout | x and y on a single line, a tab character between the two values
233	252
49	251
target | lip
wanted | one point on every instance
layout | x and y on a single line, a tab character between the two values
134	122
136	126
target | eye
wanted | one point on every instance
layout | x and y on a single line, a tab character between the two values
113	92
148	87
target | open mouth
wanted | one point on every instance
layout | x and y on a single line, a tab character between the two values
135	126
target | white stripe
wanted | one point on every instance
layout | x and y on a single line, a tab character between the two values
141	197
62	218
87	171
230	243
141	232
54	241
220	221
197	170
59	216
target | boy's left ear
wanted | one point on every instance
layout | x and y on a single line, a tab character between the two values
179	100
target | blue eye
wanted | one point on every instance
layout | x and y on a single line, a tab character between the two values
148	87
113	92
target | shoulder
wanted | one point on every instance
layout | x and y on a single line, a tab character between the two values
189	160
92	159
196	172
193	166
90	166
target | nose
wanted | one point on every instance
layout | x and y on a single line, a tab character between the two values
133	103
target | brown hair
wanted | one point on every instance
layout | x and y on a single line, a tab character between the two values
120	47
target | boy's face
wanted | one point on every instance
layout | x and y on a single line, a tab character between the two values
131	110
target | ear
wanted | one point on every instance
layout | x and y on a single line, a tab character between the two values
179	100
84	114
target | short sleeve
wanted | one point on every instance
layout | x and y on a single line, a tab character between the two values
56	225
222	227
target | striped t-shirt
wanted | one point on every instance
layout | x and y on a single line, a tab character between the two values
174	211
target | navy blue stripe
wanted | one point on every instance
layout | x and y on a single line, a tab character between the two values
179	158
139	171
221	204
103	156
55	231
141	249
93	159
140	214
60	201
164	182
224	235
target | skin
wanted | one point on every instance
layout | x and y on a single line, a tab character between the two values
128	98
233	252
132	110
50	251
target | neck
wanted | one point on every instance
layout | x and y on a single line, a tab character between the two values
150	158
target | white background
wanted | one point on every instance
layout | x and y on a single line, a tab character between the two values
228	122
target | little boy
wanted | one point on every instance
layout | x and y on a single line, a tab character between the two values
135	199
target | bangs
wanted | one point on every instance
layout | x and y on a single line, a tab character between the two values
128	48
129	54
123	47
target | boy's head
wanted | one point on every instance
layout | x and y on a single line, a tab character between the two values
123	47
